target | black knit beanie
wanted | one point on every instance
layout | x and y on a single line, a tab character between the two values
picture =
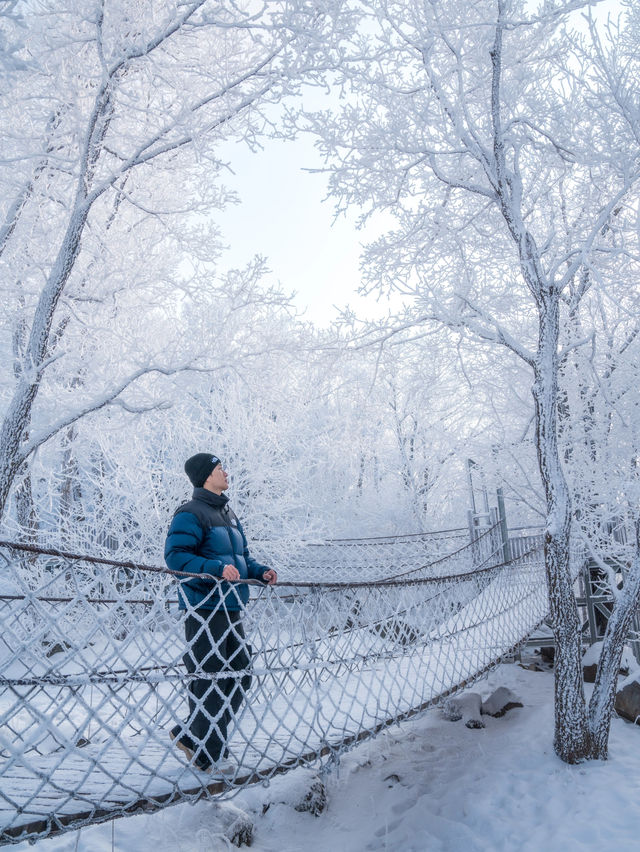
199	467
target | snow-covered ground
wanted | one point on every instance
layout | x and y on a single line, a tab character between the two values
430	785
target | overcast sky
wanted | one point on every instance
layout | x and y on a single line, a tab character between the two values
283	216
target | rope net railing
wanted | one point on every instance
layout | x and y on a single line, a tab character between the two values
371	558
95	670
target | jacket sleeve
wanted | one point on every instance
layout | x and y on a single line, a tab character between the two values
254	568
181	547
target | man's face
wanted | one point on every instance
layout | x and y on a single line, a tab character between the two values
217	481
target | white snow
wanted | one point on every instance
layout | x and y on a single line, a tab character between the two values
592	654
430	784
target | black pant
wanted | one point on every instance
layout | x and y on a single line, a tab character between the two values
216	643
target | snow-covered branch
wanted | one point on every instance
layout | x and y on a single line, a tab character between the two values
108	397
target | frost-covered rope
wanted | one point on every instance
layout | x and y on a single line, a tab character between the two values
92	676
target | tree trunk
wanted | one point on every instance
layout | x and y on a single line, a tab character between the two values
25	508
18	416
604	691
572	737
71	514
361	475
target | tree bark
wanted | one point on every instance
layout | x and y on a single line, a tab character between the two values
571	736
604	691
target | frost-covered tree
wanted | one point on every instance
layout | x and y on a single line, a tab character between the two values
110	482
109	119
512	171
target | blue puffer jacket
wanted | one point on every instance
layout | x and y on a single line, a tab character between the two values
204	536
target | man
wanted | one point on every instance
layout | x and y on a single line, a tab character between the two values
205	537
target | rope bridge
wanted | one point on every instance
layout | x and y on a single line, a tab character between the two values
358	634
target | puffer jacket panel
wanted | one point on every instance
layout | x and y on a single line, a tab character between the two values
204	536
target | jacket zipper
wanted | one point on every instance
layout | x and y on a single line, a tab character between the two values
233	553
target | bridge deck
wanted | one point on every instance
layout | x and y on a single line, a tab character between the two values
122	785
293	716
126	776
